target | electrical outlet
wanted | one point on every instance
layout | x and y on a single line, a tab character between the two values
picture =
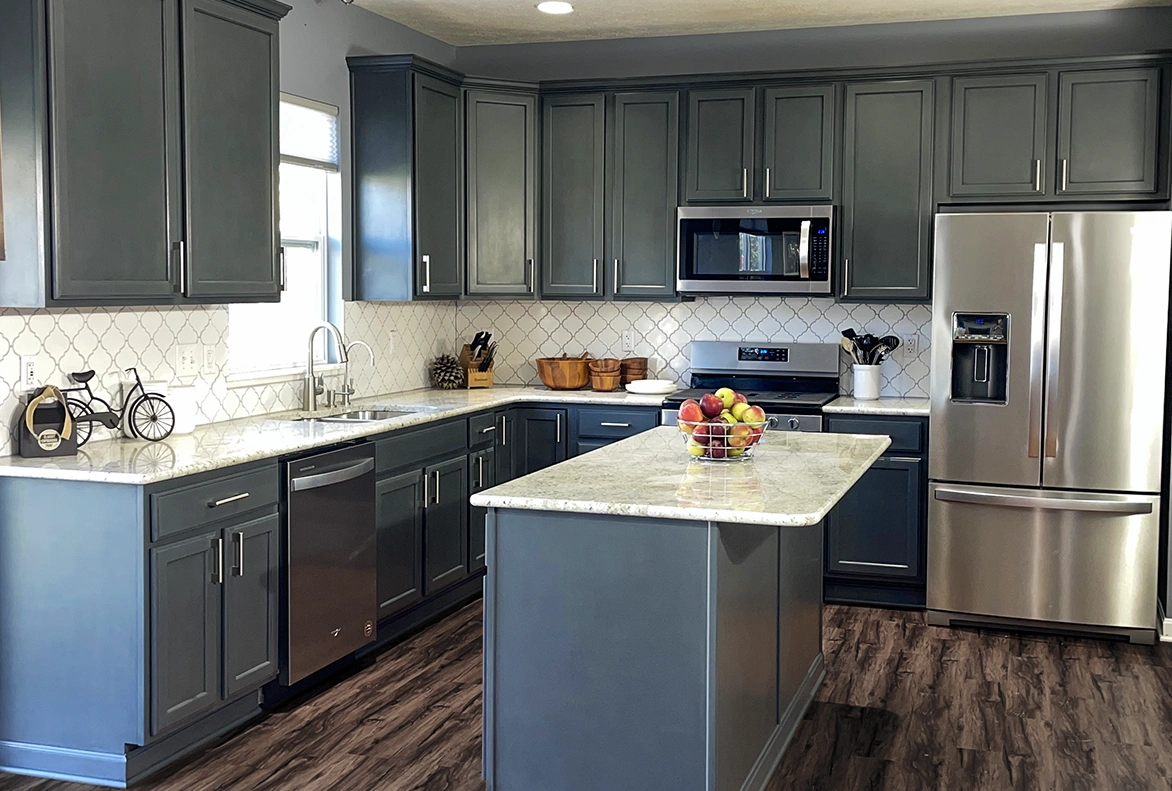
187	359
909	347
209	359
628	341
393	343
28	372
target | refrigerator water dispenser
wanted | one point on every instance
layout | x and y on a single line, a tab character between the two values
980	358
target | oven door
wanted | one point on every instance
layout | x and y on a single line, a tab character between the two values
780	250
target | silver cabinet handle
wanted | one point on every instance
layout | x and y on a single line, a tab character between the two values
767	184
233	499
426	496
744	182
616	425
595	281
558	438
488	430
1054	348
180	250
480	471
437	487
1037	351
218	576
616	276
426	274
873	565
504	431
282	262
1065	173
238	541
1043	503
532	276
1037	175
846	275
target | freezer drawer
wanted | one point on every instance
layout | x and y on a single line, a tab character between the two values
1044	555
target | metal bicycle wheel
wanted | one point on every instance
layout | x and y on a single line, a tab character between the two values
81	430
151	418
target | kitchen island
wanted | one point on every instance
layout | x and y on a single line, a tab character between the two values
653	622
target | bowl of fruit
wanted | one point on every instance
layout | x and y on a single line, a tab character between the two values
721	426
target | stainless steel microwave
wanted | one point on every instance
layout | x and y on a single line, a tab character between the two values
758	250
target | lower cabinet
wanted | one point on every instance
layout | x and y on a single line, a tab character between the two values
874	529
592	428
506	441
445	525
214	599
542	439
481	476
399	529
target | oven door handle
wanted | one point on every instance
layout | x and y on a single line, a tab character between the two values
341	475
804	251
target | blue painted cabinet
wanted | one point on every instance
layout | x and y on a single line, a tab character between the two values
445	535
542	439
251	602
399	527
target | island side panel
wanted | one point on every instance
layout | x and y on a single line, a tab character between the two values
800	662
744	625
596	646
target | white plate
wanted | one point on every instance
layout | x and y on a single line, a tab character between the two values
652	387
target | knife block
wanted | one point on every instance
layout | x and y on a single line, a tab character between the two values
472	376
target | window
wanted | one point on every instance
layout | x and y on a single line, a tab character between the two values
270	338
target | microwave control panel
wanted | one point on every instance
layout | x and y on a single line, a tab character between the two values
820	253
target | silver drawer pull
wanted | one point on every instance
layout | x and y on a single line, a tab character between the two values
616	425
233	499
487	430
873	565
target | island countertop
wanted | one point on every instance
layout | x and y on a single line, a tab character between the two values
793	480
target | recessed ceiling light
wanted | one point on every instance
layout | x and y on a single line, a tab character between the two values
555	7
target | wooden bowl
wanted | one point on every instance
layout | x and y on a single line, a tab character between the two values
633	376
605	382
563	373
607	365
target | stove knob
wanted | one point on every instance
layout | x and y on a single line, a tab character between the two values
794	423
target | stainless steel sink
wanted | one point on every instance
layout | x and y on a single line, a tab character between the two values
361	416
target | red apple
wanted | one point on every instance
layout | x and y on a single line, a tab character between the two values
739	399
740	436
754	416
711	405
717	451
689	413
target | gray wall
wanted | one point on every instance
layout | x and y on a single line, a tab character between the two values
316	39
900	44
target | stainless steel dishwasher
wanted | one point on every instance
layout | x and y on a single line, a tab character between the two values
330	592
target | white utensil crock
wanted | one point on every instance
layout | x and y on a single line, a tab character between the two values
866	382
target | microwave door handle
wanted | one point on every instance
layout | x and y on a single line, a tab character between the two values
804	251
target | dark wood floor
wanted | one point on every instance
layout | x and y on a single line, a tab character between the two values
905	706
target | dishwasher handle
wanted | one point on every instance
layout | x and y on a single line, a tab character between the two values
321	479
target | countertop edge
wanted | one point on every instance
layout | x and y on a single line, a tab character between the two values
884	407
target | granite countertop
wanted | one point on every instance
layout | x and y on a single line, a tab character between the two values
218	445
793	480
917	407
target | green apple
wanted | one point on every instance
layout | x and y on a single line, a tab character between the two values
727	396
738	410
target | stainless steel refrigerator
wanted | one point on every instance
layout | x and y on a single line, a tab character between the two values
1049	340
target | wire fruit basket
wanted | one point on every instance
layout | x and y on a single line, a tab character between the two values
718	440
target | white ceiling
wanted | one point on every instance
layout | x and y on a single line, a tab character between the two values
463	22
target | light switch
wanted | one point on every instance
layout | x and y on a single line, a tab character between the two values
187	359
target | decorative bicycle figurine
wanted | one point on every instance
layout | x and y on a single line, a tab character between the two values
145	415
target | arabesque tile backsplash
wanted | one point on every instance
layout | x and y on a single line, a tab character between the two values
111	339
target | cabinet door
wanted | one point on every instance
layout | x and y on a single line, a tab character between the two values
887	191
252	561
445	541
186	599
1108	127
799	143
644	195
541	439
720	143
231	153
481	476
573	165
439	196
875	530
113	86
586	445
506	441
399	527
502	193
999	136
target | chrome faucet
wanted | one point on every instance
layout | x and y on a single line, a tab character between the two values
347	391
315	385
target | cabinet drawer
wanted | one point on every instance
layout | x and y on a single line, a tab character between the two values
907	436
482	430
615	423
412	447
181	509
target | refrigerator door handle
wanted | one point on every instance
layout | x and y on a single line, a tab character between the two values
1037	350
1054	346
1120	507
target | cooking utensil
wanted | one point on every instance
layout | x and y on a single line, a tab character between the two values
851	349
849	334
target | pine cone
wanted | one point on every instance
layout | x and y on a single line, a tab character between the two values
446	372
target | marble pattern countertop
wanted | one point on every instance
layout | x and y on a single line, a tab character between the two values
845	405
218	445
793	480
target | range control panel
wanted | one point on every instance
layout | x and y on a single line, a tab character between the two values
763	354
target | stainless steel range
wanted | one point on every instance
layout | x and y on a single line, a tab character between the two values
790	381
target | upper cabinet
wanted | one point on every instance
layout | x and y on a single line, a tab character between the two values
720	145
407	130
887	191
1108	131
501	145
1099	137
799	143
152	126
